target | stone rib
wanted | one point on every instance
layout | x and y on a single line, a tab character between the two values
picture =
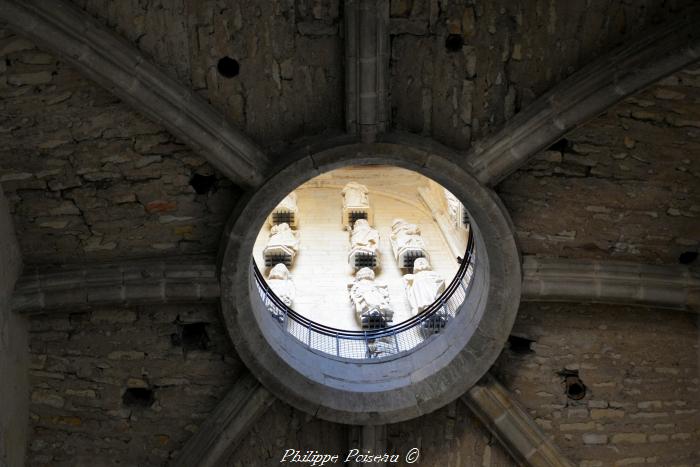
512	426
558	279
183	280
366	67
226	427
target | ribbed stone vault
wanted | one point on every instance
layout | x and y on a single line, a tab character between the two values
113	193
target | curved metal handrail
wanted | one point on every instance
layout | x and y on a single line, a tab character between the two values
329	331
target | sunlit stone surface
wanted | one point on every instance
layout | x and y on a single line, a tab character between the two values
280	282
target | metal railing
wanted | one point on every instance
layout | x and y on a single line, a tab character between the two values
374	343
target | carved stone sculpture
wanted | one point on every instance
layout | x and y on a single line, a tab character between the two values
355	195
381	347
371	300
282	246
281	284
453	208
424	286
355	204
286	211
406	243
364	242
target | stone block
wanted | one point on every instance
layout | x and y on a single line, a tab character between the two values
113	316
105	294
595	438
607	413
631	438
48	398
126	355
577	426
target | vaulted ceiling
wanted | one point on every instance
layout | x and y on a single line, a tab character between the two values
92	178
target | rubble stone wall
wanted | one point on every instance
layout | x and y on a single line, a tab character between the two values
13	350
623	186
639	366
512	53
124	386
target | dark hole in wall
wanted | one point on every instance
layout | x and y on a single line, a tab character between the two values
102	184
454	42
138	397
573	385
203	184
228	67
563	145
191	336
688	257
519	344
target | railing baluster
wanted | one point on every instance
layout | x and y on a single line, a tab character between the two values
369	353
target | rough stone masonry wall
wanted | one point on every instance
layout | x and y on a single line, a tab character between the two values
449	437
625	185
290	53
83	363
87	178
281	428
642	374
13	350
640	367
513	52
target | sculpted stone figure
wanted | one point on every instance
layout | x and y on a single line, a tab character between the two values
355	204
371	300
381	347
282	244
364	236
423	287
281	284
364	241
286	211
355	195
406	241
